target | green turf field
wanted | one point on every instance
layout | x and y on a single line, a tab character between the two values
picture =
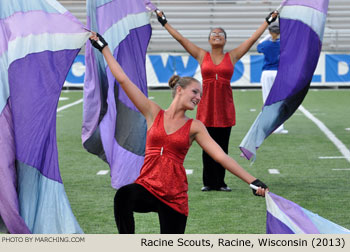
304	178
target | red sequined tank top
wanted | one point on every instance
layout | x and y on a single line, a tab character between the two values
163	173
216	108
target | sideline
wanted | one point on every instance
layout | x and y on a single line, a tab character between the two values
341	147
69	105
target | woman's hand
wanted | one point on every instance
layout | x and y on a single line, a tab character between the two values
98	41
272	17
161	17
259	188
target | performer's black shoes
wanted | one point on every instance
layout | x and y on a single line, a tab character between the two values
223	189
206	189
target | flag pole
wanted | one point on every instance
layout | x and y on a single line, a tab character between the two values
254	187
279	8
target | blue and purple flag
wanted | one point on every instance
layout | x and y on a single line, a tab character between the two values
286	217
39	41
302	25
113	128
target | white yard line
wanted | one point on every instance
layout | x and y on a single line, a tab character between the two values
274	171
102	172
69	105
189	171
346	169
338	157
341	147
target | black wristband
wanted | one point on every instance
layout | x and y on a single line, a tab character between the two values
100	43
161	19
258	183
269	19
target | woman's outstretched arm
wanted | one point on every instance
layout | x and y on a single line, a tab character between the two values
203	138
195	51
243	48
147	107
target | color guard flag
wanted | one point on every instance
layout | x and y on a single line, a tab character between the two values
302	25
39	40
113	128
286	217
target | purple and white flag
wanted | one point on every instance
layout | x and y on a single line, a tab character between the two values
39	41
286	217
113	128
302	24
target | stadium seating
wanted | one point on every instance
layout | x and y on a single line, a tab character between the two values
240	18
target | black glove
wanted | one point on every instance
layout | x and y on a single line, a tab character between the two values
161	19
269	19
100	43
258	183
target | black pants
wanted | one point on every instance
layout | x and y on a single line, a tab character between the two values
135	198
213	172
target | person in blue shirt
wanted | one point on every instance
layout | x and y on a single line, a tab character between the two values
270	47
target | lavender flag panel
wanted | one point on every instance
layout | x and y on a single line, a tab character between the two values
116	130
287	217
133	59
115	12
24	24
34	97
300	49
275	226
9	208
320	5
40	40
298	61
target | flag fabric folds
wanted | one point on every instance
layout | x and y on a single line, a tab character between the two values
113	128
286	217
39	41
302	25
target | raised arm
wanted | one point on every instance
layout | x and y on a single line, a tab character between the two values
148	108
203	138
243	48
195	51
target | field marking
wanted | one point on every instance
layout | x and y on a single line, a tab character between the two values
338	157
102	172
346	169
189	171
274	171
341	147
69	105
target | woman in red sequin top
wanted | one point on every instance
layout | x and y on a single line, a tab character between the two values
216	109
162	184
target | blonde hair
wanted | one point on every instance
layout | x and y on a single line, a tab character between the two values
183	82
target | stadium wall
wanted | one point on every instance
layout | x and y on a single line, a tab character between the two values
333	70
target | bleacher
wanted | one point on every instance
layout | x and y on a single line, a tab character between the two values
240	18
